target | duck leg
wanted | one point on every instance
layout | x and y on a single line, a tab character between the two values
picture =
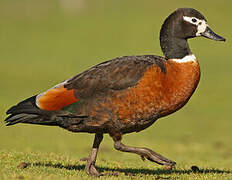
90	166
145	153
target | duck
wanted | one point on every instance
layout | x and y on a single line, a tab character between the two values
126	94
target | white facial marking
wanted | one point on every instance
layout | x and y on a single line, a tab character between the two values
201	24
188	58
201	28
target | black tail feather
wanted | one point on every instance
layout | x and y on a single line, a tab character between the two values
21	118
26	105
27	112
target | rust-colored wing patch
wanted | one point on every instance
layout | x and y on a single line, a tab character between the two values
56	98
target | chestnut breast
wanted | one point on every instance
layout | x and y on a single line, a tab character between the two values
158	94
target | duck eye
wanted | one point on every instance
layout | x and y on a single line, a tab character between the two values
194	20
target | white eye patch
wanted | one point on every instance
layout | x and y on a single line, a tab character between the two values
201	24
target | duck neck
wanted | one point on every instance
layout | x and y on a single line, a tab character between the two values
174	48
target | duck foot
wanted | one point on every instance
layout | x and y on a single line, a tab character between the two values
91	169
145	153
170	167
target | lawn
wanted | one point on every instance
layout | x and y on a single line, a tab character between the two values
45	42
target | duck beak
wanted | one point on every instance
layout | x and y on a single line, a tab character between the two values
208	33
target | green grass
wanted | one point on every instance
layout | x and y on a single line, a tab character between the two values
42	43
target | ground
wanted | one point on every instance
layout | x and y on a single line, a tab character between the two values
45	42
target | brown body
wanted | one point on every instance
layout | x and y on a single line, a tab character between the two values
155	95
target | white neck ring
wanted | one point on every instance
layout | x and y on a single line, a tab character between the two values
188	58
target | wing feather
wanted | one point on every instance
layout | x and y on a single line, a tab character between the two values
117	74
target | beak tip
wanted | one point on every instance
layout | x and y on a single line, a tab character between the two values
222	39
208	33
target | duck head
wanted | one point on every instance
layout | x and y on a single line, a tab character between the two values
182	24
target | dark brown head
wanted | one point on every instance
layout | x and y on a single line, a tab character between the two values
182	24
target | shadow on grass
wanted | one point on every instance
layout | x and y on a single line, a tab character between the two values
133	171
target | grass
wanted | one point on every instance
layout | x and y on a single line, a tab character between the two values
45	42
